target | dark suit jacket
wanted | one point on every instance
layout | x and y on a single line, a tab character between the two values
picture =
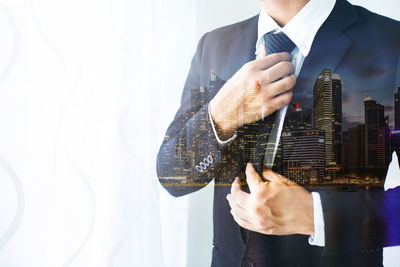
362	47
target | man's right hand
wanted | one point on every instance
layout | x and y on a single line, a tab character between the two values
256	90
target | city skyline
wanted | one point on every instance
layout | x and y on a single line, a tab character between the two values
357	151
301	154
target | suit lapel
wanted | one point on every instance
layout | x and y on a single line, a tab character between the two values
329	47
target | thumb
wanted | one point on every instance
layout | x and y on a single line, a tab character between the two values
252	177
236	185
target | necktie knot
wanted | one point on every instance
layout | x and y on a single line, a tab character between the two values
278	42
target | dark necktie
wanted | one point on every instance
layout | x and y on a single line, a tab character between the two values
278	42
255	254
268	139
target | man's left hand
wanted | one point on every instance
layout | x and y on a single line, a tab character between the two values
275	206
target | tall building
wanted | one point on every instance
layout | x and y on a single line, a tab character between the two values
328	114
303	155
345	150
376	131
337	107
397	109
356	148
395	141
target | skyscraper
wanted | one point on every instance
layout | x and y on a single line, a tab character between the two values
397	109
376	128
345	150
356	148
328	114
395	141
337	107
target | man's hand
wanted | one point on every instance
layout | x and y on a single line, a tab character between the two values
276	206
254	92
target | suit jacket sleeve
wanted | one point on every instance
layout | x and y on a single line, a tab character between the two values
190	153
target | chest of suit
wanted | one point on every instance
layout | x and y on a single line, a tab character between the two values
346	63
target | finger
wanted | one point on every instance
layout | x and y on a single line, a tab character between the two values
243	223
237	195
272	176
252	177
239	206
276	72
243	214
263	52
279	87
239	198
280	101
265	62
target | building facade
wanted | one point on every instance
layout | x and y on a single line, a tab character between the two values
303	156
327	105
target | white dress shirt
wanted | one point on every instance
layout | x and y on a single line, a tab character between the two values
301	29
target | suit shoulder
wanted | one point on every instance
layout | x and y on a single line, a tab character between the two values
379	22
375	17
375	31
228	30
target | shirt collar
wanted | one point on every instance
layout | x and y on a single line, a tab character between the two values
302	28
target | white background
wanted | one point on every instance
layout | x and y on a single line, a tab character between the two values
87	90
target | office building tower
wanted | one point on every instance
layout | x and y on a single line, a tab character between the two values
395	141
397	109
345	150
376	131
356	148
337	108
328	114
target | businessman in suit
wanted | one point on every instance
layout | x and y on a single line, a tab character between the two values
240	77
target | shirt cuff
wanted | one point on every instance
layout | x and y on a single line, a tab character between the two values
319	225
393	174
221	144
